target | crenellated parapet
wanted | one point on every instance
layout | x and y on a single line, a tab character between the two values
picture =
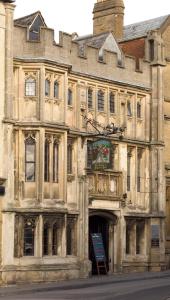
86	60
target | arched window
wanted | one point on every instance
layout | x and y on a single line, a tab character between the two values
139	110
30	159
70	97
100	98
112	102
29	232
56	89
90	98
30	87
47	161
47	87
70	156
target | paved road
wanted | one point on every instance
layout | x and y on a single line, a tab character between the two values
104	288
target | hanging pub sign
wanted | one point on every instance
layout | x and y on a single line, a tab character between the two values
101	155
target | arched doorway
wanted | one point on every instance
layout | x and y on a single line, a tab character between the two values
98	224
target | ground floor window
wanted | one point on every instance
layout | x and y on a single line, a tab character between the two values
52	234
71	248
25	235
59	235
135	236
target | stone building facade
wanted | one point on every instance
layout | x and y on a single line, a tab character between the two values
57	194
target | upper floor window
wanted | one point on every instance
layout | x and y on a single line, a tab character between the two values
30	159
100	99
151	50
90	98
51	159
112	102
139	110
55	161
69	157
47	161
129	109
30	87
70	97
47	87
56	89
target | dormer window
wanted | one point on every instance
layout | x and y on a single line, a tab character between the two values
34	30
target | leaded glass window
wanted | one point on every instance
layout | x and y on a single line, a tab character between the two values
100	98
30	159
56	89
47	87
47	161
90	98
30	87
112	102
55	161
70	97
29	232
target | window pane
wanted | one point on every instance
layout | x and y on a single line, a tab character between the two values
69	240
112	103
90	98
138	110
45	239
70	97
69	159
30	159
28	240
100	101
30	172
56	89
55	241
129	110
46	162
30	153
30	87
47	87
55	163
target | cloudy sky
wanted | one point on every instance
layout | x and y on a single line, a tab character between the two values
76	15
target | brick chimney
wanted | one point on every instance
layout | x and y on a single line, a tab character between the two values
108	16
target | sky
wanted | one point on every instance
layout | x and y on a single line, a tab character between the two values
76	15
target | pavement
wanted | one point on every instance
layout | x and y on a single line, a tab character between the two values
94	281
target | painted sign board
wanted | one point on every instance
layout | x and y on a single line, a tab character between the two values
101	153
98	247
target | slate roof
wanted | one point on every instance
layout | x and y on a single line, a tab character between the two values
27	20
96	41
141	29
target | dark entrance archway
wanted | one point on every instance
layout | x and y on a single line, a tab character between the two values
99	224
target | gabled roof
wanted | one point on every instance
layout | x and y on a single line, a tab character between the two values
28	20
141	29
